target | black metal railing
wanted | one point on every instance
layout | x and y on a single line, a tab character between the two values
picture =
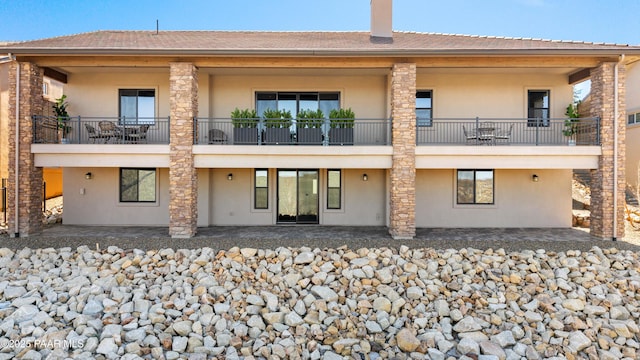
320	132
100	130
494	131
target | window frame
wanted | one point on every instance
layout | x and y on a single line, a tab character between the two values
329	188
138	119
298	95
256	187
138	201
635	116
532	120
424	122
475	200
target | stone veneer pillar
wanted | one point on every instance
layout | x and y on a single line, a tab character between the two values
183	188
26	178
402	202
602	179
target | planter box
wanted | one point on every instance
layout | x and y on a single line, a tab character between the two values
310	136
245	136
276	136
341	136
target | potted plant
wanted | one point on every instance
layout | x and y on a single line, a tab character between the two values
309	126
571	123
245	126
62	117
341	132
277	126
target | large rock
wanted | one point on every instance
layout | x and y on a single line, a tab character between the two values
406	341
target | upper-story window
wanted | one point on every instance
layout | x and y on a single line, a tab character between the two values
137	106
424	108
297	101
538	107
633	118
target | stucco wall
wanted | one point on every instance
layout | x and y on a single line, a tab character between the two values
501	95
96	94
519	202
633	131
365	95
96	201
232	200
4	120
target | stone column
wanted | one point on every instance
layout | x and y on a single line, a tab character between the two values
24	178
402	202
183	188
602	179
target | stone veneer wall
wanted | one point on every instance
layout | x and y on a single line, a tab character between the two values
602	179
402	216
29	178
183	194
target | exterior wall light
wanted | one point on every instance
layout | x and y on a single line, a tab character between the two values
534	178
88	176
365	177
230	176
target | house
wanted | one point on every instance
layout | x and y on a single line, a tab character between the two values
632	147
449	130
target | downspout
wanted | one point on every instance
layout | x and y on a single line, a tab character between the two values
17	154
615	149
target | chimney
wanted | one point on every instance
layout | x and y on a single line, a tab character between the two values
381	18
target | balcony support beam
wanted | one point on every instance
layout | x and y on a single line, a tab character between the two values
183	176
402	201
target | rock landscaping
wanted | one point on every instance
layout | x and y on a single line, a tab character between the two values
319	304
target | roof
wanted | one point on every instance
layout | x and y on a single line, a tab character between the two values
301	43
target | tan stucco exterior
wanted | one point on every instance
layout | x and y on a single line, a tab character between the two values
633	130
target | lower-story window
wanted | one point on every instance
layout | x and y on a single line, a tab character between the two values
475	187
137	185
334	185
261	195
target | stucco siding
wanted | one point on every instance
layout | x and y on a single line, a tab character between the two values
500	95
365	95
519	202
96	201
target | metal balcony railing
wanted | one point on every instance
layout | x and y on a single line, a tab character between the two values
100	130
319	132
494	131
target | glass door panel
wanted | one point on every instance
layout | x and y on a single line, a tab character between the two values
287	185
298	196
308	196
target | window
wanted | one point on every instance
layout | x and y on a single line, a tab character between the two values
137	185
45	88
334	186
296	102
538	108
424	108
137	106
261	191
475	187
633	118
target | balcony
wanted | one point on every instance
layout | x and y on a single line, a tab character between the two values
318	132
494	131
100	130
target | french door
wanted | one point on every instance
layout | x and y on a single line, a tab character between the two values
298	196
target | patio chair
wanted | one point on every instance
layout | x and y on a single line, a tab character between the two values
109	130
139	135
217	136
93	134
469	135
502	135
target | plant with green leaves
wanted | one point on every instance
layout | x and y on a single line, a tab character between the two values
277	118
572	121
62	116
247	118
342	118
310	119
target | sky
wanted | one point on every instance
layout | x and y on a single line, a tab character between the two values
600	21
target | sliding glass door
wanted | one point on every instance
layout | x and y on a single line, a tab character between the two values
298	196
